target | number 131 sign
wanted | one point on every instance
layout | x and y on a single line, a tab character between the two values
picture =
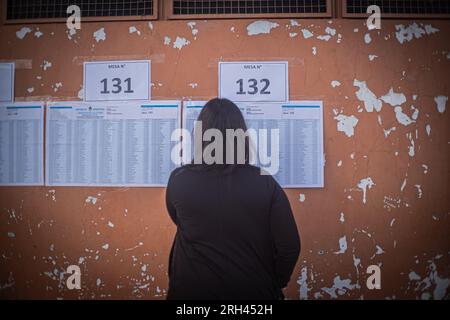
117	80
266	81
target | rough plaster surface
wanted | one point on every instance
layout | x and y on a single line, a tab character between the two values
121	237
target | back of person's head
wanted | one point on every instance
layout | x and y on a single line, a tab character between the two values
223	117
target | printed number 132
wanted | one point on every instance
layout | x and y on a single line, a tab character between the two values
117	86
253	86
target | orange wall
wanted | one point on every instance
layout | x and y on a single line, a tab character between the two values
56	227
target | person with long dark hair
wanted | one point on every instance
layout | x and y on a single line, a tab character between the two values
236	235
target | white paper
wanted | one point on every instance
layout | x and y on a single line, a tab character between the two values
112	144
117	80
254	81
301	137
6	82
21	144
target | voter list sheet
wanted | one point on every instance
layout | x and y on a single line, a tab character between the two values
110	144
300	124
21	144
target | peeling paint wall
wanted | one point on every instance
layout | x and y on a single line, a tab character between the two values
387	138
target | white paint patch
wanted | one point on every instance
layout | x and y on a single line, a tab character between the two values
428	129
340	287
30	90
303	284
441	101
294	23
356	263
415	114
105	246
342	245
392	222
180	43
38	34
372	57
391	203
81	94
302	197
261	27
407	34
110	224
429	29
92	200
167	41
342	218
324	37
380	121
314	50
411	150
100	35
233	29
71	33
339	164
293	34
53	193
389	131
57	86
21	34
425	168
133	29
419	190
330	31
364	94
346	124
402	187
193	85
367	38
394	99
307	34
432	279
402	118
99	282
379	250
11	235
365	184
355	30
335	83
150	25
46	65
194	30
413	276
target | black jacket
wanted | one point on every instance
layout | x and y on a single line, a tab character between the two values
236	235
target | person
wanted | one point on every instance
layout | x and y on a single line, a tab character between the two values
236	235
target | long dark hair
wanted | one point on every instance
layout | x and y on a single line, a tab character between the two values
223	114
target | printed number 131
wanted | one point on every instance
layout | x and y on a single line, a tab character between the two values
117	86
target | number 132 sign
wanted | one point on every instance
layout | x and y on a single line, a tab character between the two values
265	81
117	80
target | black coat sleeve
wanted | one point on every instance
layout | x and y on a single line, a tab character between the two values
169	202
285	236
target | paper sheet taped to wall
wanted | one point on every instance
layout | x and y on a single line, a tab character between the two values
110	143
21	144
300	124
